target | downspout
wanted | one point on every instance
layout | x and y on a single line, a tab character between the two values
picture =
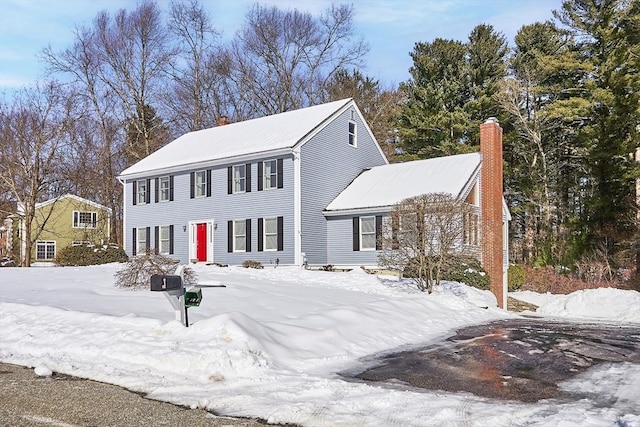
297	207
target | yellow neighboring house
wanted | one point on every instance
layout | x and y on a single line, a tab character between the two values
67	220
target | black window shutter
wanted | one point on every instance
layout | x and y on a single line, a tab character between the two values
148	237
378	232
230	180
280	233
148	191
171	189
208	182
171	239
157	238
156	189
260	233
134	241
247	172
248	246
229	236
192	184
260	175
280	177
135	193
356	233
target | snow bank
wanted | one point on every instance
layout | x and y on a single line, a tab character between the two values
603	304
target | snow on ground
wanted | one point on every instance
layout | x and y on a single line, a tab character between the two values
271	345
607	304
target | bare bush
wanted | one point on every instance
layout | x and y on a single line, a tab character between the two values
252	264
421	234
138	270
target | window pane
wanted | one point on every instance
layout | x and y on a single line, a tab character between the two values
368	241
270	226
271	243
201	184
238	178
368	225
164	188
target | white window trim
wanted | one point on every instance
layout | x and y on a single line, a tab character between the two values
141	195
264	234
75	220
46	243
139	232
203	186
161	198
242	179
235	235
265	177
355	133
362	233
167	241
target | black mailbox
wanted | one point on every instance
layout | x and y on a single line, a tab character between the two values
163	282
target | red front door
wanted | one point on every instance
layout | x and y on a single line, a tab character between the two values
201	241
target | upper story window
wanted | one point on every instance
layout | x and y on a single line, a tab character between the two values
270	177
141	190
84	219
164	189
270	174
239	178
200	183
353	140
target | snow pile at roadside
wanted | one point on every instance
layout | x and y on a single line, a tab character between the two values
604	304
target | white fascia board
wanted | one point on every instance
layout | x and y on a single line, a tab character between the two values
206	164
297	207
359	211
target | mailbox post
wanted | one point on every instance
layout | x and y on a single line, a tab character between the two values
172	285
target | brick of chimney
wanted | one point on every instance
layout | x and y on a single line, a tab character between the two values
491	208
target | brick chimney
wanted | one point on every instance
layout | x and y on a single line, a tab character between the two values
223	120
491	208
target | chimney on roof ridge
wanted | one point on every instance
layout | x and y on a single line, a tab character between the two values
223	120
492	224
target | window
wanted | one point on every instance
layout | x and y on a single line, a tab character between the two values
45	250
471	229
141	240
84	219
270	174
368	233
81	243
164	239
239	177
270	177
142	191
271	234
164	189
239	236
200	184
352	134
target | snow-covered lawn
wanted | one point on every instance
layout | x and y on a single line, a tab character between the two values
271	344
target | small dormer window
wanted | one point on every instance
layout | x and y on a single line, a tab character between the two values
353	141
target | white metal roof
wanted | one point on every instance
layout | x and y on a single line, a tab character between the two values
386	185
279	131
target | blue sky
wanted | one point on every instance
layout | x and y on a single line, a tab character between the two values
391	27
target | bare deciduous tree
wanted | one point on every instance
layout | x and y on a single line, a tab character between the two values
35	132
422	233
283	60
195	98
